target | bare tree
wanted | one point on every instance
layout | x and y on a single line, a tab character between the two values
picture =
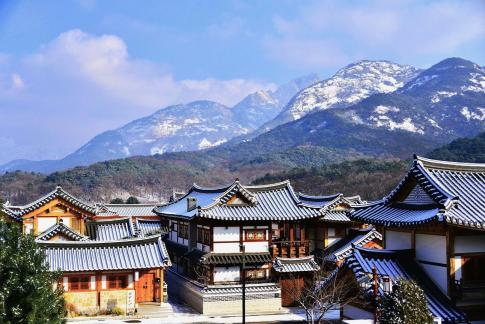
321	293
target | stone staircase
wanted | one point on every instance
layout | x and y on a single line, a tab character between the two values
155	310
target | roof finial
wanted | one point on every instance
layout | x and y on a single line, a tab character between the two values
237	179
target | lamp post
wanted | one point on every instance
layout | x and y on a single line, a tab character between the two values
243	250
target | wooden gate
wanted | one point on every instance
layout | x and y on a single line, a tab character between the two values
145	291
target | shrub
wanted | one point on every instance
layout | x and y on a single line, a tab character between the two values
406	304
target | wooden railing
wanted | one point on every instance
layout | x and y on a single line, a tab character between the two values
290	249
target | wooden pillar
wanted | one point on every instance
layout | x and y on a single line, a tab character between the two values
162	281
34	230
81	226
450	258
98	288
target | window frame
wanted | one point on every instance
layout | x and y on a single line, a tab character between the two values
80	281
247	232
204	235
183	231
117	281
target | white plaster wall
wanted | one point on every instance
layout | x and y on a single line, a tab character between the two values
431	248
66	221
173	236
438	275
457	267
226	274
203	247
226	247
44	223
223	234
398	240
256	246
470	244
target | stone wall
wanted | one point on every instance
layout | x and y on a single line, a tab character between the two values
84	302
234	307
123	299
221	304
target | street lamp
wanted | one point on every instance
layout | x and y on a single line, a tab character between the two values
387	284
243	250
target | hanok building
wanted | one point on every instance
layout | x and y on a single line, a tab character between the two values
104	264
438	211
374	271
209	228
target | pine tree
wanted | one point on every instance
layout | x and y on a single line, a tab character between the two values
117	201
406	304
132	200
26	284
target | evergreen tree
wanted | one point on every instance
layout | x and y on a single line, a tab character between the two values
132	200
26	284
117	201
406	304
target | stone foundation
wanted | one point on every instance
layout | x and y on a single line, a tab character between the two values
225	299
122	299
83	302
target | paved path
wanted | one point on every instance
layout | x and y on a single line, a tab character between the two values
176	312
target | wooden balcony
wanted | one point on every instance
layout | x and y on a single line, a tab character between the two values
290	249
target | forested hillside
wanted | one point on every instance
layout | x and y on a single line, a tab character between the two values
462	149
154	178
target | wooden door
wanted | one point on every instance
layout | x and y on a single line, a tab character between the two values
145	289
290	289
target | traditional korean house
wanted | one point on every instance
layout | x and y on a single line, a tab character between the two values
374	270
55	207
277	228
103	275
333	234
438	211
105	264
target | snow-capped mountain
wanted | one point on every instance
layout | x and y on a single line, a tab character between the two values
348	86
262	106
445	100
185	127
193	126
397	124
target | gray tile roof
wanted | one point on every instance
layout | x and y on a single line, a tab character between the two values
237	289
144	253
400	264
17	212
317	201
110	230
356	237
125	210
303	264
269	202
145	227
235	258
60	228
457	189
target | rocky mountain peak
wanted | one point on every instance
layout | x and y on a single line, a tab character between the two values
348	86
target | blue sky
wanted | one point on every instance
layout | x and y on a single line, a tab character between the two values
71	69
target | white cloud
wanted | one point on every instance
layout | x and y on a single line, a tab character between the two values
401	29
88	84
17	82
104	61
